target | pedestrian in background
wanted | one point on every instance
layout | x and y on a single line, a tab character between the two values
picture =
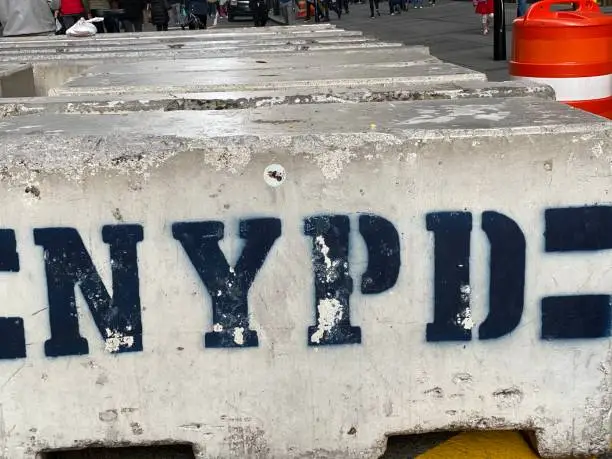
175	12
287	8
322	11
132	14
344	4
485	9
213	11
159	14
310	9
395	7
98	10
113	17
223	8
374	4
260	12
198	9
70	11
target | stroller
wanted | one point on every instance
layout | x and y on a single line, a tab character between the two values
396	6
187	19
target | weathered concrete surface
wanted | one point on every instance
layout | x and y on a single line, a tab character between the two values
393	57
408	66
258	79
203	44
175	52
173	101
427	196
16	80
177	37
307	63
147	37
287	398
52	73
446	118
251	42
53	70
387	74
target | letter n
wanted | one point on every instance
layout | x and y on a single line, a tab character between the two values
68	264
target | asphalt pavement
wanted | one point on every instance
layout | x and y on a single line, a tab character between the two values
451	29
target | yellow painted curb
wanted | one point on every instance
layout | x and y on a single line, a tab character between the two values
482	445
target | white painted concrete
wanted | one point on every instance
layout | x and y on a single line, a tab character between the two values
112	150
284	398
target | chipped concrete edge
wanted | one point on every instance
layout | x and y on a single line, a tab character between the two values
179	102
25	157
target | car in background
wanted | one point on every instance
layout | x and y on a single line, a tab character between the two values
238	8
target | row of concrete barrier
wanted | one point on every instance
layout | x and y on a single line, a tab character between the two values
295	243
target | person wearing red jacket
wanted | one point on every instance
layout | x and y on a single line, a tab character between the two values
71	11
485	9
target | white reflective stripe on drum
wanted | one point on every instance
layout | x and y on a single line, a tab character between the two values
574	89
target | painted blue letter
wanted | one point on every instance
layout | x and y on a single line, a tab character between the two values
507	275
12	334
228	288
452	315
577	229
332	282
67	264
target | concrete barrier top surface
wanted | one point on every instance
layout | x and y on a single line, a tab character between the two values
208	81
191	46
393	57
404	66
9	70
5	68
488	117
16	80
128	134
178	53
234	99
203	41
201	44
389	245
186	40
312	29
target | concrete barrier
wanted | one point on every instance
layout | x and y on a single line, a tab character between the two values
16	80
267	359
233	99
279	279
254	79
236	42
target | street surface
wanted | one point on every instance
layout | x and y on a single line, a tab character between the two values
451	29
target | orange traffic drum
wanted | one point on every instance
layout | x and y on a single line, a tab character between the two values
568	50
